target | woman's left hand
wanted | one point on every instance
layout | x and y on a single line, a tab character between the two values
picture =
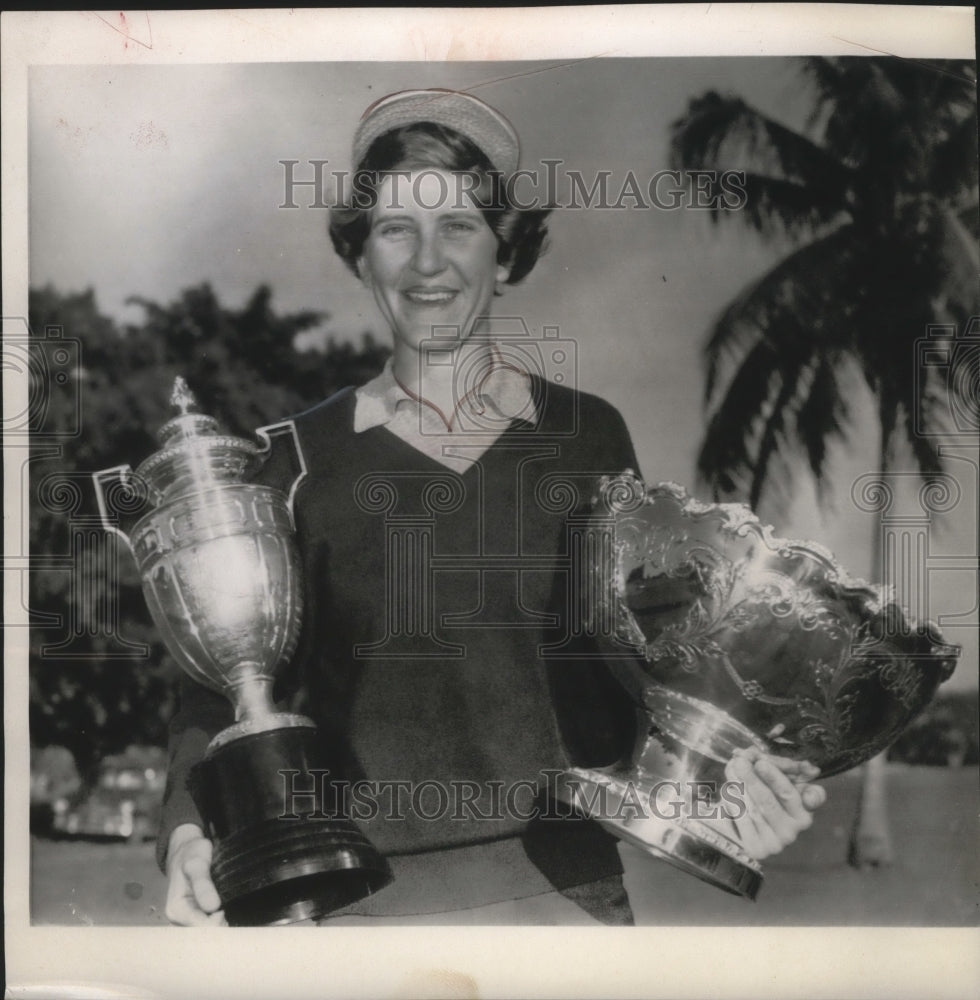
779	803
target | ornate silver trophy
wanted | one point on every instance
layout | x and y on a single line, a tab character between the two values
221	576
732	639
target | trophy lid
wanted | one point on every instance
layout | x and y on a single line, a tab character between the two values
195	454
188	423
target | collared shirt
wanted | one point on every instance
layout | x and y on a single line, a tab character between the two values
497	394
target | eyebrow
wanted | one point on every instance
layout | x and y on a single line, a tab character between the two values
381	215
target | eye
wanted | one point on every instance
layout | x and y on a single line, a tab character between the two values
393	229
459	226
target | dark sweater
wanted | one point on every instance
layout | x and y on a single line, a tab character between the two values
432	599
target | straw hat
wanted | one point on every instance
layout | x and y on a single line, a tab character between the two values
481	124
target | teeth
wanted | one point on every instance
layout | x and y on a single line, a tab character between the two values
431	297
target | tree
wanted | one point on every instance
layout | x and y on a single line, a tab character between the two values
877	199
92	689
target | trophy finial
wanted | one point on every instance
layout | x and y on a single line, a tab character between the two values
181	397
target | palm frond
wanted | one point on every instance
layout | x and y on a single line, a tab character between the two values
952	173
726	133
775	206
887	192
909	431
773	304
925	448
777	427
886	116
961	266
969	216
726	453
822	417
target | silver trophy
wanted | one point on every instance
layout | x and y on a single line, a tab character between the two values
730	638
221	575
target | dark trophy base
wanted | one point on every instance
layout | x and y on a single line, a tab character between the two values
284	850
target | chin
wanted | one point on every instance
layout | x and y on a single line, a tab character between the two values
442	342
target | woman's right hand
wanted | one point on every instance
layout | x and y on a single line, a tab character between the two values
191	896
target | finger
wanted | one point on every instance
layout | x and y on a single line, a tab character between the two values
198	872
813	796
755	836
763	804
217	919
801	769
756	839
787	793
181	908
797	769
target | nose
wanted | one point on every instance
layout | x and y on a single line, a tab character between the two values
428	258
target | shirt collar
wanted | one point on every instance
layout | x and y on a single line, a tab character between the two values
506	388
377	400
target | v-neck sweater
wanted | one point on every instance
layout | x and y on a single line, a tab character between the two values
437	653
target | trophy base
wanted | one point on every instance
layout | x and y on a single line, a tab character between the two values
284	850
265	877
621	803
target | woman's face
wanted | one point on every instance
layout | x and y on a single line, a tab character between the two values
430	259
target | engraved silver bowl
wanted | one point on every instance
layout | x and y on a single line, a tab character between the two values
729	638
740	635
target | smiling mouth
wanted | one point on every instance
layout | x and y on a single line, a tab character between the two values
430	297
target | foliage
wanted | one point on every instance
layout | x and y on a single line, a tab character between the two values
879	204
99	677
945	733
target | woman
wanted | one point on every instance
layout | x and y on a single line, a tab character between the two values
463	677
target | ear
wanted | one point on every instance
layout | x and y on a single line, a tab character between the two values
364	272
503	273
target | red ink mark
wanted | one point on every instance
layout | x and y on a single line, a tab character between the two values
125	29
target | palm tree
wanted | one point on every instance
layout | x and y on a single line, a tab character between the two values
876	199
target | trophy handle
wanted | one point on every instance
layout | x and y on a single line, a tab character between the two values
285	428
118	474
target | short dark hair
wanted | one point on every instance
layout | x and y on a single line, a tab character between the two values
521	233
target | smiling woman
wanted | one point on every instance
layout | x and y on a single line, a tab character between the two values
431	231
441	655
465	178
429	265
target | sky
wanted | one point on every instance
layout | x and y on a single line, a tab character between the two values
145	180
